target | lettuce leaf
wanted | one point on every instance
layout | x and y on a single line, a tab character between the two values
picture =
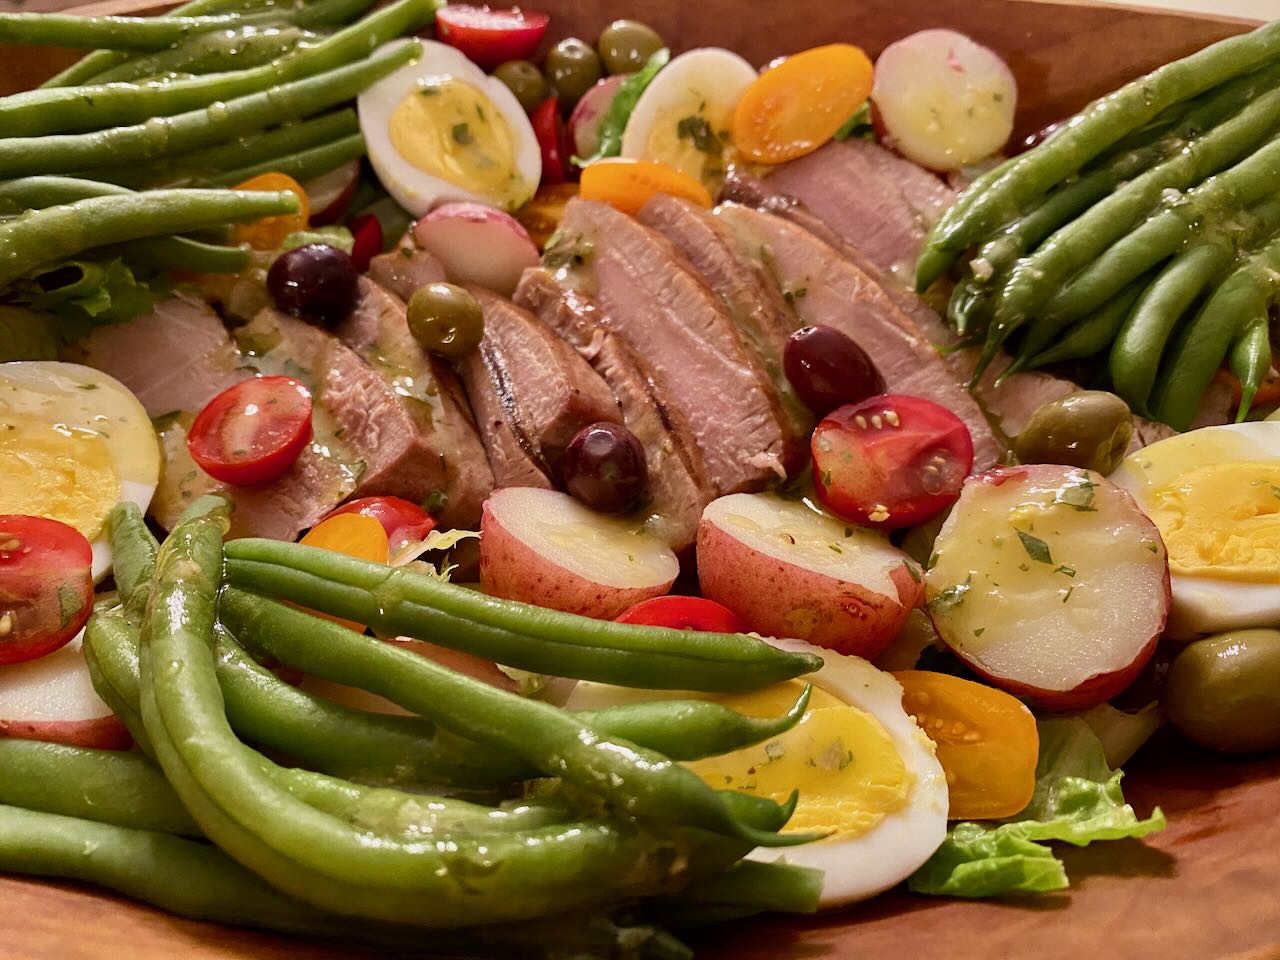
624	101
26	335
858	126
82	294
1077	800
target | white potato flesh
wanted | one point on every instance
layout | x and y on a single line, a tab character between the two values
54	688
1049	579
944	100
477	244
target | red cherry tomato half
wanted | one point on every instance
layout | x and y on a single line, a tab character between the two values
684	613
46	586
366	240
253	431
489	37
890	461
553	141
404	521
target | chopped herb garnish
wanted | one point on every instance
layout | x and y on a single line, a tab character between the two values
70	603
951	597
835	548
1069	571
1036	548
980	631
932	562
1023	567
915	574
699	132
848	531
1067	596
461	133
1078	495
1151	545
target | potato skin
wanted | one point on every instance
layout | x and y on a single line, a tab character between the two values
100	733
513	570
781	599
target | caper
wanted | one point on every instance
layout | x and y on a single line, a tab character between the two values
626	45
445	319
525	81
1223	692
573	68
1089	429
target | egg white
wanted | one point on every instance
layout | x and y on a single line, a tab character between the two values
860	867
1203	604
415	189
70	392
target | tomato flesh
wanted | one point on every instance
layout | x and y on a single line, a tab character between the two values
252	432
46	586
402	520
366	240
684	613
987	742
269	232
890	461
548	127
489	37
354	535
628	184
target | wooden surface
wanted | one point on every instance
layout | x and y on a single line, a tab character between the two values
1208	888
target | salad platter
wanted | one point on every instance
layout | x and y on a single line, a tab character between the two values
590	513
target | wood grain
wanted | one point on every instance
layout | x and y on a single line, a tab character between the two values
1206	889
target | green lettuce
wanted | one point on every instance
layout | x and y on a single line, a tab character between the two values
624	101
26	335
1077	800
858	126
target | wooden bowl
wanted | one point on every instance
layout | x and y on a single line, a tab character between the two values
1207	887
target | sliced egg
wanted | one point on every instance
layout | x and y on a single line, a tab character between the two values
684	116
1214	495
867	775
439	129
74	442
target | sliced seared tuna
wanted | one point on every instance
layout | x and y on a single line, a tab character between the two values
682	338
678	487
826	288
921	188
405	268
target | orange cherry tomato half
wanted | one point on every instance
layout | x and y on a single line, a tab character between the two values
269	232
987	742
628	184
684	613
403	520
46	586
253	431
797	105
355	535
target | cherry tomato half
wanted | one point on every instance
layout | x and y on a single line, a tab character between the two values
987	742
490	37
548	127
252	432
352	534
269	232
890	461
46	586
628	184
366	240
403	520
684	613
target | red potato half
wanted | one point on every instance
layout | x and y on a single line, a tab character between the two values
546	548
477	244
1050	582
52	698
790	571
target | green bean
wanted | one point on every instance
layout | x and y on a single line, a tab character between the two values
933	260
1249	358
168	136
303	166
1093	334
330	13
84	108
1243	296
554	742
111	33
46	236
133	552
250	46
1088	134
103	785
400	602
745	889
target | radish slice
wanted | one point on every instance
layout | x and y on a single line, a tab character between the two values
944	101
1051	582
584	122
477	244
330	193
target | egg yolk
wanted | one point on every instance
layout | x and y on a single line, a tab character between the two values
51	470
1222	521
451	130
693	140
847	769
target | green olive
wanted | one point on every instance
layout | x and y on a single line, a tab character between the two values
573	68
1089	429
445	319
525	81
1223	692
626	45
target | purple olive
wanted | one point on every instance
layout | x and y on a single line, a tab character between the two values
828	370
316	282
604	467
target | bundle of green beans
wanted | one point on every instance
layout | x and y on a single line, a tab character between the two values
1145	229
176	108
602	836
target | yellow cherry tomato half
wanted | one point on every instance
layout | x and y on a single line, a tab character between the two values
628	184
987	742
269	232
352	534
797	105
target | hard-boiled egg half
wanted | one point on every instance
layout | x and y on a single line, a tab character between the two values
1214	495
684	116
867	775
439	129
74	442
